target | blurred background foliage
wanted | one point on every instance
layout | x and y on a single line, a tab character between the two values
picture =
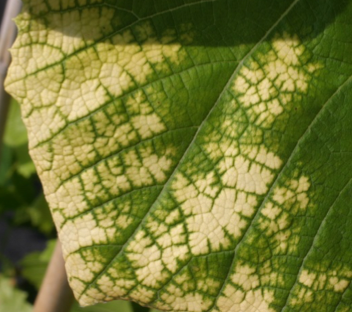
27	232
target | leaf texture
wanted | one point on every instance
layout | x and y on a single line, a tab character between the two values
196	155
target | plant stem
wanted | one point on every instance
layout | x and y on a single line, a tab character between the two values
55	295
7	36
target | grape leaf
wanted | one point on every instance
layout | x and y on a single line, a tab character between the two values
196	155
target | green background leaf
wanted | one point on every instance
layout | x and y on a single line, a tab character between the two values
195	155
11	299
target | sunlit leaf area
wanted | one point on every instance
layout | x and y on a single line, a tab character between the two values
27	234
195	155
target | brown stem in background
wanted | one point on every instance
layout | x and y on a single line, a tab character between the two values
54	295
7	36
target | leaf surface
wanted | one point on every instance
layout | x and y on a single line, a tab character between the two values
196	155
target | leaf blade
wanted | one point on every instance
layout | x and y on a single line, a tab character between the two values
236	180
